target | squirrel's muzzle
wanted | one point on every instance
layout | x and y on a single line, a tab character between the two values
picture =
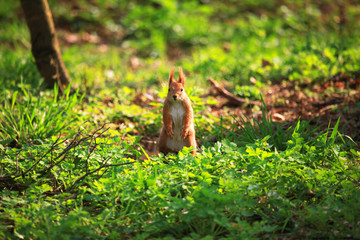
175	97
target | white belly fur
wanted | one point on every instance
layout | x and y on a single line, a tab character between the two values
177	113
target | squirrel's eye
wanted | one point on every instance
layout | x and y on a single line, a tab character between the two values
182	89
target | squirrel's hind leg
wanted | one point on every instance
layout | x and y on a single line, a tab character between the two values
163	148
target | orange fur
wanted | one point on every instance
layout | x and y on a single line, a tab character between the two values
178	117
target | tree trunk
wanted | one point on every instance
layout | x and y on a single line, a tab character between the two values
44	44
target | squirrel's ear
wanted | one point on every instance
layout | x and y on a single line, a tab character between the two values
171	77
181	76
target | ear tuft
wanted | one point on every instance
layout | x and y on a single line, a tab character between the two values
171	77
181	76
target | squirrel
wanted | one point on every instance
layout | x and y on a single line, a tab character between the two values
178	118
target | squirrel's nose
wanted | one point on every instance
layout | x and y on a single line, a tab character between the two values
174	96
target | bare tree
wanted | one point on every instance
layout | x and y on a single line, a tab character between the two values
44	43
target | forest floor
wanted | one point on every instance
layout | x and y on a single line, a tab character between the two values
275	91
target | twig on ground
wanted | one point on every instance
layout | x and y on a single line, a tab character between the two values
16	174
326	103
62	155
95	170
78	139
73	144
229	96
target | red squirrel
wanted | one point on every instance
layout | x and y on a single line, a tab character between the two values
178	117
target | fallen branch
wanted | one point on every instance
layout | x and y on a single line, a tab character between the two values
78	140
326	103
231	97
104	165
16	174
75	142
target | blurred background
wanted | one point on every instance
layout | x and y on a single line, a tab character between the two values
120	41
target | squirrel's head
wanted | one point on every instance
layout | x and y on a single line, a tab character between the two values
177	88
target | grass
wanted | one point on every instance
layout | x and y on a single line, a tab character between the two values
72	166
226	190
32	120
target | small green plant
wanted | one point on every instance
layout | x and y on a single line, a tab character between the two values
250	130
250	92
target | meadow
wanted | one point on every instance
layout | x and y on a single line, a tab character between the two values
78	165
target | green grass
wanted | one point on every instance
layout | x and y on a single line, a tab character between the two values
226	190
71	165
32	120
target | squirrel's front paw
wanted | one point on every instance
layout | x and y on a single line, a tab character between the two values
169	132
185	132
